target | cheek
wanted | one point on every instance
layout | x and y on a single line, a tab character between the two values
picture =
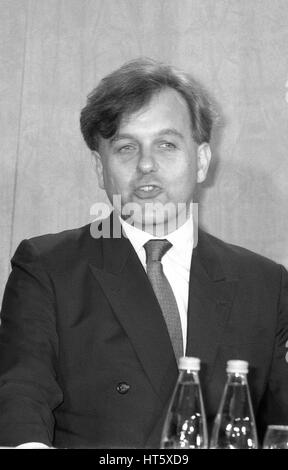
182	174
117	177
182	183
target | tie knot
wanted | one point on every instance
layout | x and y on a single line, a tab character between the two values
156	249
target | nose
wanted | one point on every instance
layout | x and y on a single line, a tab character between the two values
147	162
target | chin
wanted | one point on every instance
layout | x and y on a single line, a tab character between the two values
152	224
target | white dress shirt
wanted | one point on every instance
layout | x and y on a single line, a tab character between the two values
176	262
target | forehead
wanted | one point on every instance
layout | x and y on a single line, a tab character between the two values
165	109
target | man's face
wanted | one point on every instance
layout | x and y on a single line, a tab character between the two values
152	163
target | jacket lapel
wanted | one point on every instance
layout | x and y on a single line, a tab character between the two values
126	286
131	296
211	293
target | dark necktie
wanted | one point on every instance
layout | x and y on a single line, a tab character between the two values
155	250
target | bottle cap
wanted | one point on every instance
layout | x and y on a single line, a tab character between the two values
237	366
192	363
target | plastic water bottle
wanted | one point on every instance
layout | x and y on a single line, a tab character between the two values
185	425
234	425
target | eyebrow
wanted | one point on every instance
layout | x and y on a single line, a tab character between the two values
167	131
120	136
170	131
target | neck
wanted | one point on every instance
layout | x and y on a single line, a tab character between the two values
163	229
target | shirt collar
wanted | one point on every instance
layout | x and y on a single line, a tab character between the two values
181	239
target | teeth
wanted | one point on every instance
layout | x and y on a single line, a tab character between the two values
146	188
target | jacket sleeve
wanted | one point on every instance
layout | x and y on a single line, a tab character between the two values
274	409
29	391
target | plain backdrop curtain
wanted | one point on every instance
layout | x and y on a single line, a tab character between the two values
53	52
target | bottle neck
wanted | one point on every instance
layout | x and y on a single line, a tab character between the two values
188	375
237	378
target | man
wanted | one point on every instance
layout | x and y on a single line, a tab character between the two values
93	326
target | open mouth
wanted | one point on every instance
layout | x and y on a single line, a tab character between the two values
147	191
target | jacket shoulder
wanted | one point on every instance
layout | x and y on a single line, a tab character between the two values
59	251
238	260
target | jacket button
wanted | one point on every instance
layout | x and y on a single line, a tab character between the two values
123	388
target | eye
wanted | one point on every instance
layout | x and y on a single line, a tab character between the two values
128	148
167	145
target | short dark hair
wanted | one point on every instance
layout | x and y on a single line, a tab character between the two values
130	87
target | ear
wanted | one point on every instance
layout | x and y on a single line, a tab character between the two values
203	161
98	168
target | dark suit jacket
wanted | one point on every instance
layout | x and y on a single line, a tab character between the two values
85	356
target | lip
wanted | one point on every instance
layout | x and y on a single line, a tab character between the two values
147	191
